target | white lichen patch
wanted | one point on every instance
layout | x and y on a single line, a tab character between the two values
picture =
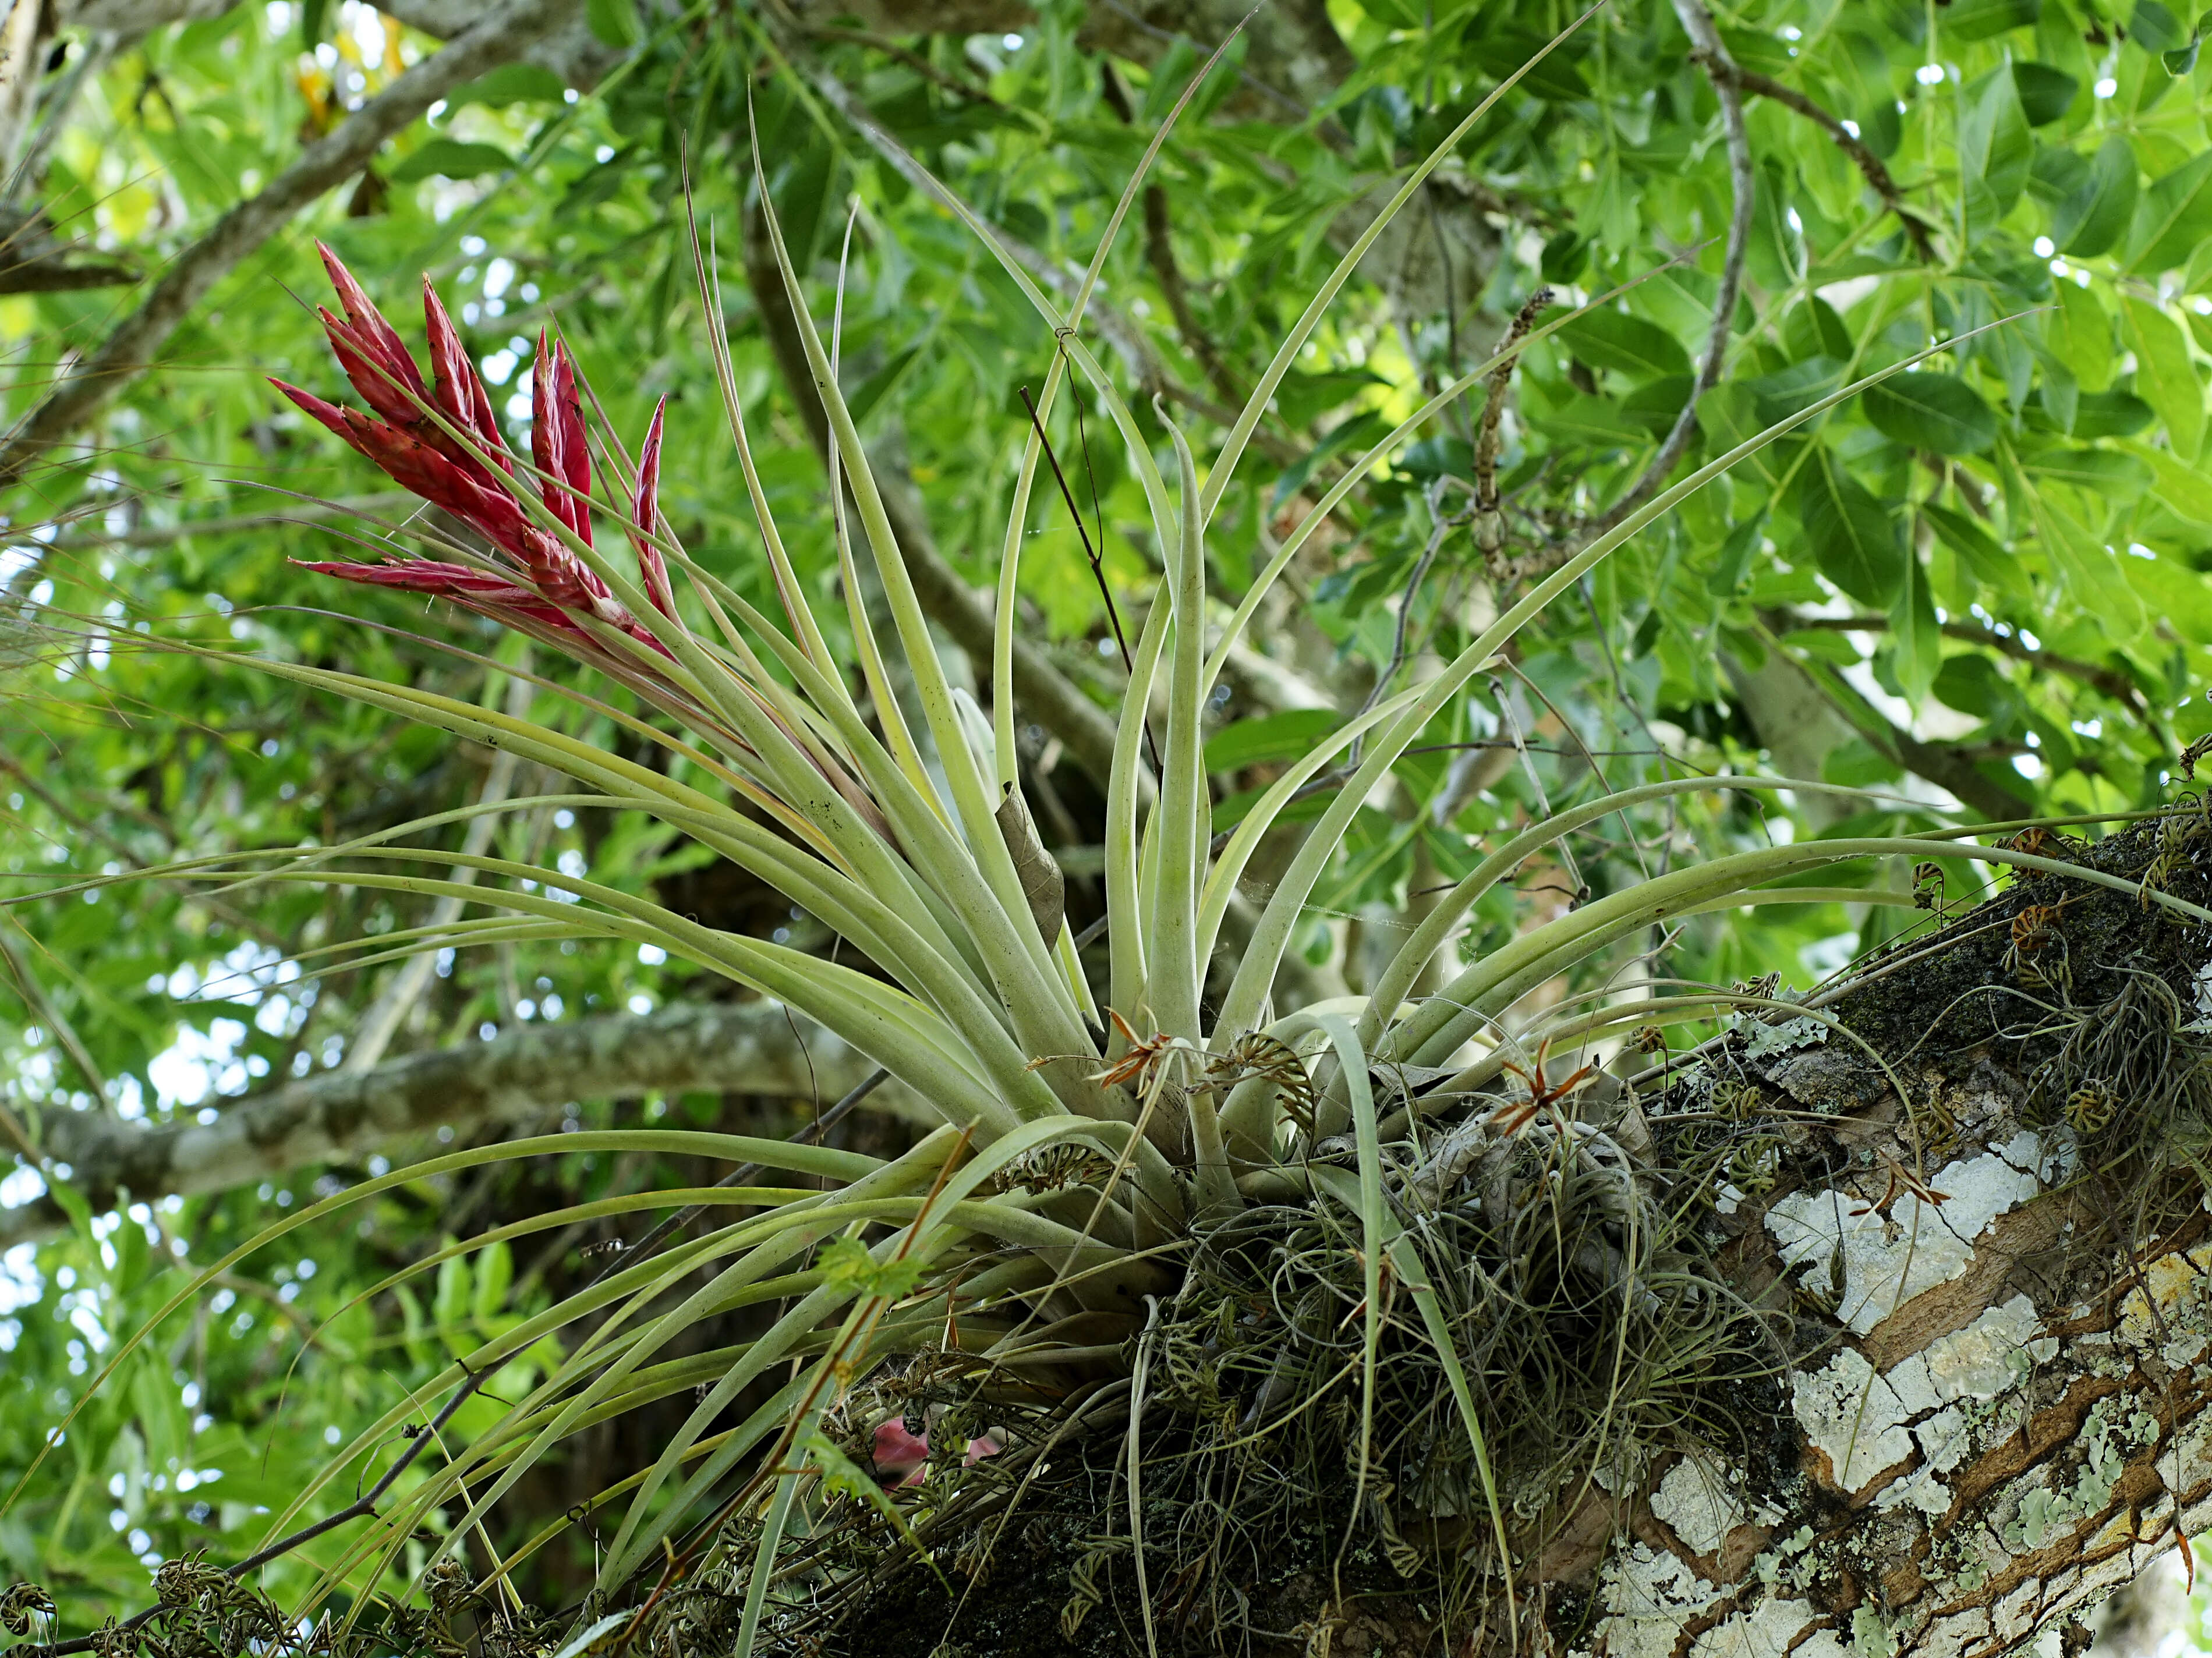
2190	1464
1948	1637
1854	1416
1649	1596
1762	1039
1695	1500
1765	1632
1988	1358
1888	1259
1867	1423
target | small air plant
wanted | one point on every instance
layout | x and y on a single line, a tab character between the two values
1210	1220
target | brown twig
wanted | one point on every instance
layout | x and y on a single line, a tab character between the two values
2111	681
1710	50
1870	165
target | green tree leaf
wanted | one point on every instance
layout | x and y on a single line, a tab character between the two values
2164	378
1733	568
1993	147
1269	738
2108	474
1990	564
2154	28
2174	219
1937	412
1917	640
450	1307
2045	92
1852	539
2184	488
495	1273
2081	335
614	22
1617	340
2081	561
450	158
2098	214
1981	20
510	84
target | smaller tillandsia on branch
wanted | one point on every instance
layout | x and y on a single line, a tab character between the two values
1489	525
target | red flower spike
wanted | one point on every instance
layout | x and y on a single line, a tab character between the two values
567	579
384	383
327	414
488	595
645	513
556	438
379	342
448	470
458	391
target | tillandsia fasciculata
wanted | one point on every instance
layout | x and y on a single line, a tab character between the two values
1337	1226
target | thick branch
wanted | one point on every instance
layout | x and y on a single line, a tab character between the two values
501	35
1947	766
751	1047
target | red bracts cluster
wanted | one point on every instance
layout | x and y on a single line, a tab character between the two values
441	442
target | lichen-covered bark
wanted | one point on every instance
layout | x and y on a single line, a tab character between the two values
1997	1302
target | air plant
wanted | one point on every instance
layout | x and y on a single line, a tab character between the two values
1117	1164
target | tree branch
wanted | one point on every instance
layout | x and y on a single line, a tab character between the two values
1869	164
2111	681
1710	50
1948	767
499	35
751	1047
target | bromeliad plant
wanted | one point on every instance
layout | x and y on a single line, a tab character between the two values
1319	1240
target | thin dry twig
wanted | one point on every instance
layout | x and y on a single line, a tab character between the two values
1870	165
